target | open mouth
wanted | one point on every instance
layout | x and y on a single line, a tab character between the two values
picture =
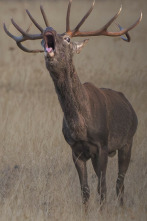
49	43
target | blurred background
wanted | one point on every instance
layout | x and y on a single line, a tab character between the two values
38	180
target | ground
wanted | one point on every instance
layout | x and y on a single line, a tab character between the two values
38	180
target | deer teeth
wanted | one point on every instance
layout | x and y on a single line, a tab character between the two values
51	54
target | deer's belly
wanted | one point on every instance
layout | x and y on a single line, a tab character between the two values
84	150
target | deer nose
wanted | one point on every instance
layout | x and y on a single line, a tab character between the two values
49	29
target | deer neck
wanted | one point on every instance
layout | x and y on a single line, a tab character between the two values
71	93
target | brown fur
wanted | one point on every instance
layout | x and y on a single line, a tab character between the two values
97	122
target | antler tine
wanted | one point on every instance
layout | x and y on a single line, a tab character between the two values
68	17
28	50
25	36
28	29
103	30
105	27
19	29
19	40
124	31
44	16
84	18
9	34
98	32
128	38
34	21
132	26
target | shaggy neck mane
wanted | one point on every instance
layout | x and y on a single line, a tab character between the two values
71	93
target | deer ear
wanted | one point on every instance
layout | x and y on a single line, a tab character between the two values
77	46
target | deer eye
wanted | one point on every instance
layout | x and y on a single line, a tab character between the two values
67	39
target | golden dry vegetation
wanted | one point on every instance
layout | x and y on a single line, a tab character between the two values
38	180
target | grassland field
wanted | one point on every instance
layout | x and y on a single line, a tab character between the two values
38	180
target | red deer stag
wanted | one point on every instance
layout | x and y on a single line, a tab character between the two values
97	121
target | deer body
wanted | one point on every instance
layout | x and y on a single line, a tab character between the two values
99	126
96	122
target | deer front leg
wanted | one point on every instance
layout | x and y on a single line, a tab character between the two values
100	164
82	172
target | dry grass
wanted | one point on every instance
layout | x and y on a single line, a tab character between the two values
38	180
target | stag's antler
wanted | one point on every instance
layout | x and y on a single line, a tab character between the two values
25	36
103	31
74	33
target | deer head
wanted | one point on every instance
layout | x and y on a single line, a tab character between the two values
58	46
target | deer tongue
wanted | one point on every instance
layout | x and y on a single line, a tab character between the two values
50	51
